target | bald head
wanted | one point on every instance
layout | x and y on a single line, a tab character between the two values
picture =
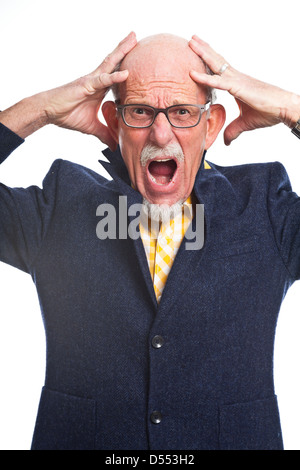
161	51
162	57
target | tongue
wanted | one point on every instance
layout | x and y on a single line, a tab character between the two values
162	171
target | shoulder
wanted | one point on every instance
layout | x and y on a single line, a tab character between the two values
262	176
72	175
248	169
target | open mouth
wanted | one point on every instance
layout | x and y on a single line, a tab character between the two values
162	171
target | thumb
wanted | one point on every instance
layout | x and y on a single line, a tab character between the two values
233	130
236	127
102	133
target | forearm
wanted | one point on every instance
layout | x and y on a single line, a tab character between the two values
26	116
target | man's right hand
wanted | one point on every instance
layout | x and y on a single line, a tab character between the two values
75	105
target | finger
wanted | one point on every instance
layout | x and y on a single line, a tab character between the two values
106	80
208	55
213	81
117	55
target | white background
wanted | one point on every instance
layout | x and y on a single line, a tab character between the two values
48	43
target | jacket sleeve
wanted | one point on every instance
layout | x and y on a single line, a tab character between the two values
284	213
9	141
25	214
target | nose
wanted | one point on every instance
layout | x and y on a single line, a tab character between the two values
161	131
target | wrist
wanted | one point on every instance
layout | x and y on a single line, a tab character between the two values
34	114
25	117
291	113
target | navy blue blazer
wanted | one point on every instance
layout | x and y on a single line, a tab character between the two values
108	385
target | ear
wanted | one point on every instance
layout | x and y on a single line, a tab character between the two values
110	115
215	122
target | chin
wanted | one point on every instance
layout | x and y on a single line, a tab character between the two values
162	212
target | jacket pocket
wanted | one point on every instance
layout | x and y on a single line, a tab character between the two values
250	426
64	422
235	248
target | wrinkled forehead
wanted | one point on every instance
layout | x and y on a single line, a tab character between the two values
161	59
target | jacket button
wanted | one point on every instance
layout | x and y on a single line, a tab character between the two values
156	417
157	341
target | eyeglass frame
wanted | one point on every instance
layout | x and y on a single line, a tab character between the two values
202	107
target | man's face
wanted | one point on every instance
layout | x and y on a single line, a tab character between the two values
159	76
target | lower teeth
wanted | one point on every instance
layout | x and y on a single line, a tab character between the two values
160	184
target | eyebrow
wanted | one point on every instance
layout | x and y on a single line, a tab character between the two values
175	103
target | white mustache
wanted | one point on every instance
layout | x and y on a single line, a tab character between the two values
151	151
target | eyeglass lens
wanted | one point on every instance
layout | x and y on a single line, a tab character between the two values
179	116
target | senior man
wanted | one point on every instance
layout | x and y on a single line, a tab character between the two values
151	345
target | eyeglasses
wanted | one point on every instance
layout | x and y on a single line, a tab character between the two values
142	116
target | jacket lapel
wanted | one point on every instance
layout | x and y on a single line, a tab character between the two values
118	171
216	194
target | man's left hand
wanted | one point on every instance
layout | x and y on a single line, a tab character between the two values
260	104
